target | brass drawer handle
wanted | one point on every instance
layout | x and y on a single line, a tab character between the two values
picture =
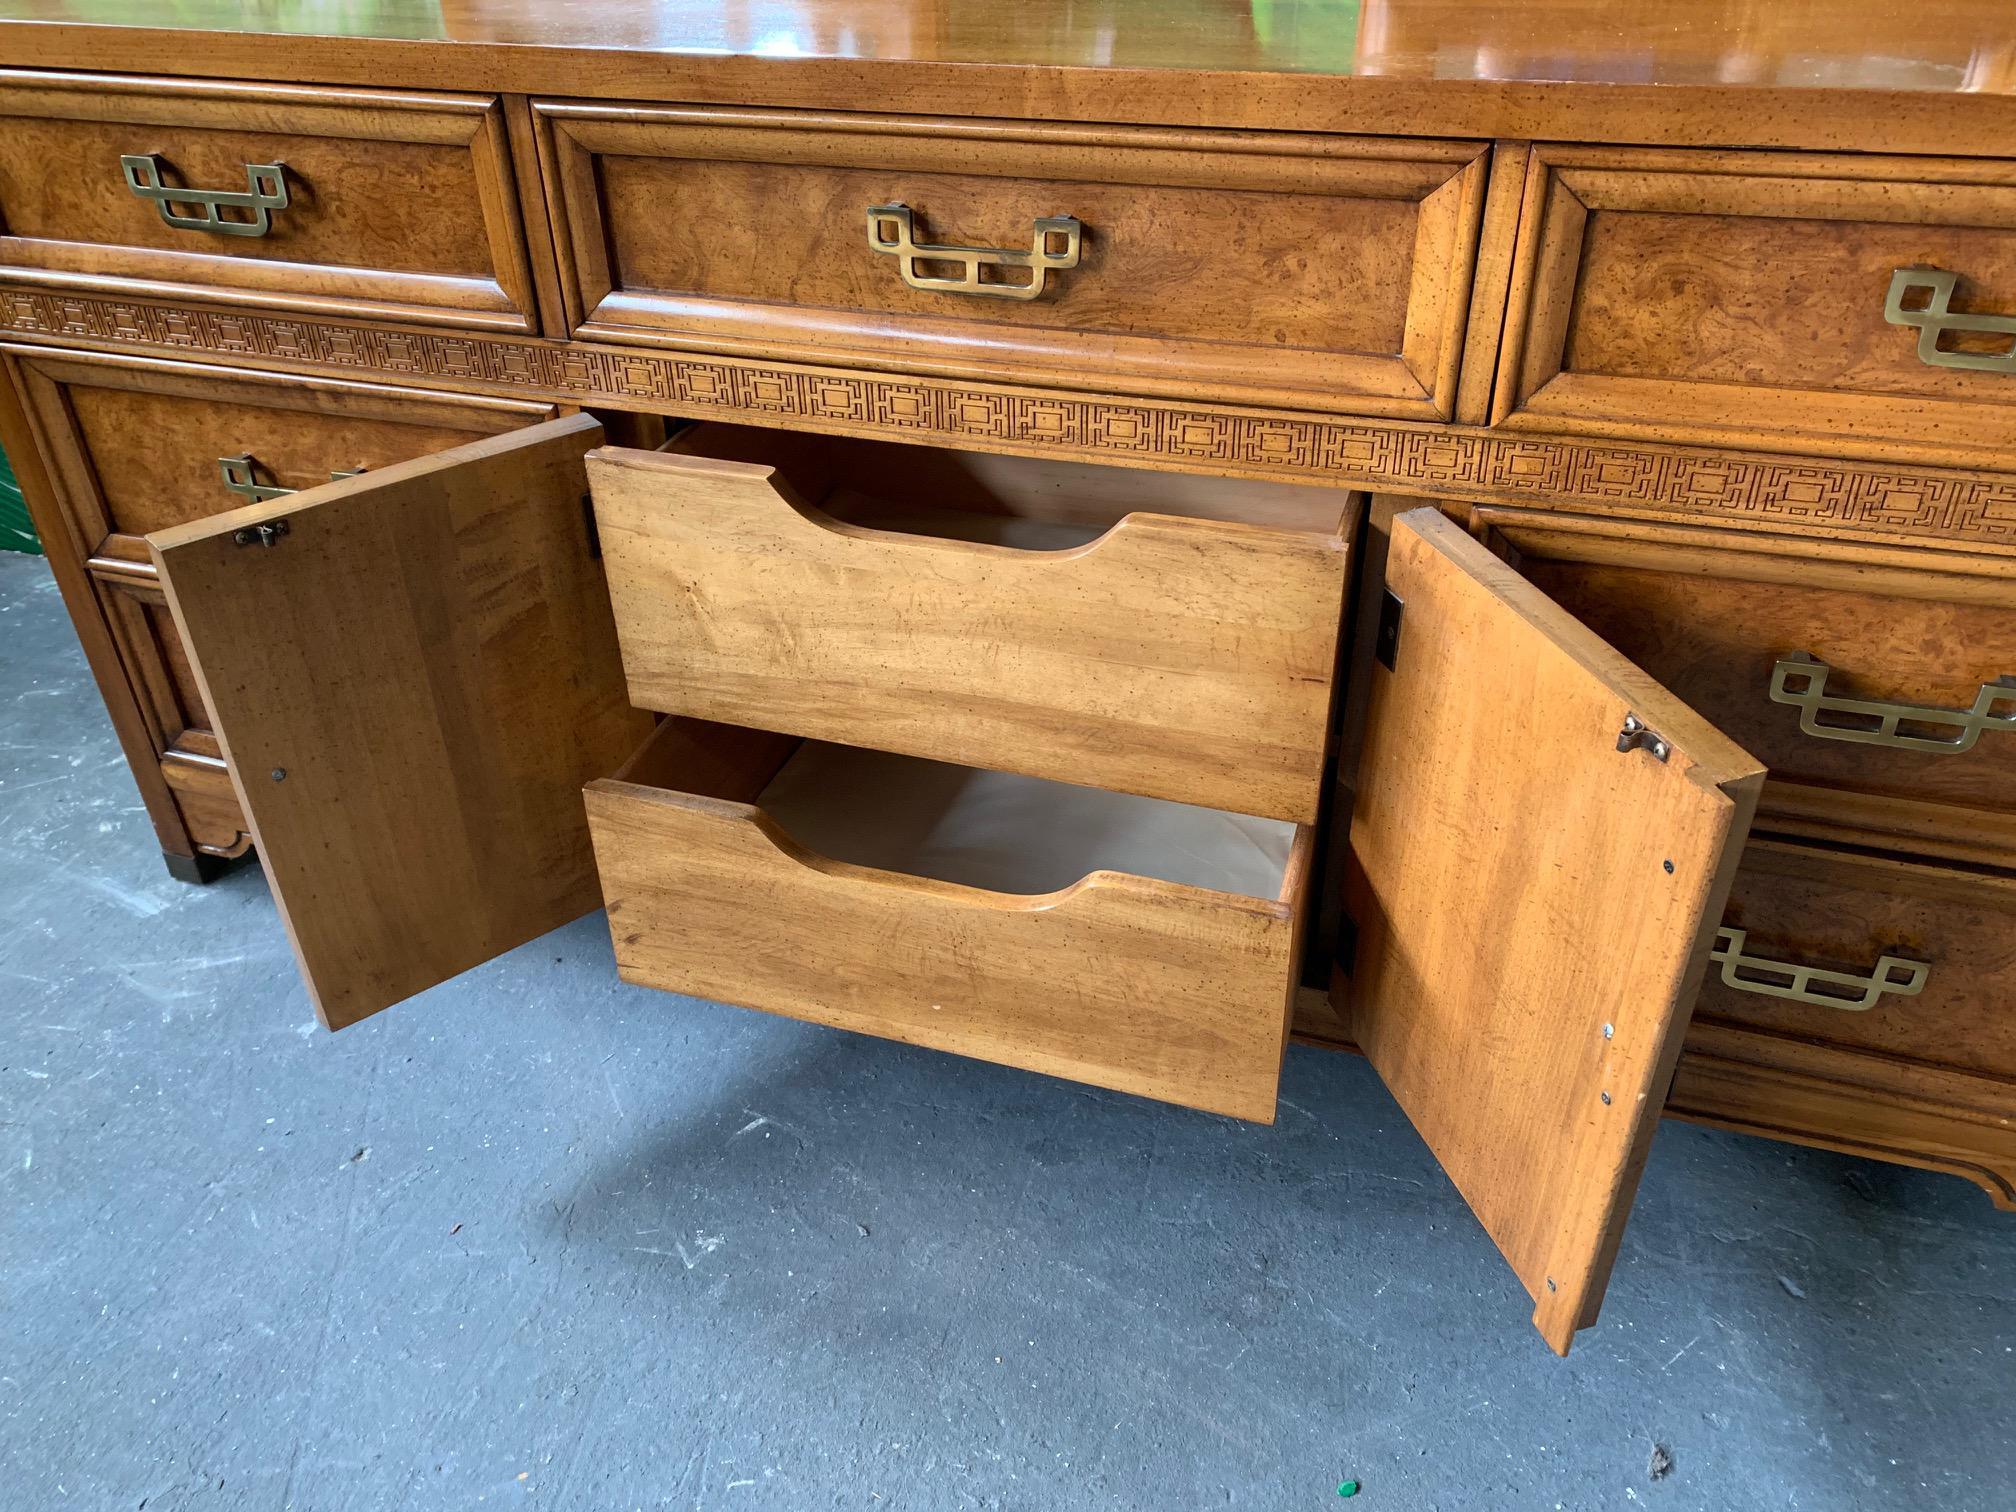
1934	319
1855	994
1801	680
892	229
265	192
241	477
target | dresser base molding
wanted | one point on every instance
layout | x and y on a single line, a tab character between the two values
1858	1104
1766	492
1829	1099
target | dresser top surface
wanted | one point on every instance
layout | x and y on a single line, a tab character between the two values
1861	75
1961	45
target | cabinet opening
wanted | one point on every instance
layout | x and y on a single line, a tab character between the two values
1029	503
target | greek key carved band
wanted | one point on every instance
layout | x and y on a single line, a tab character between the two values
1565	473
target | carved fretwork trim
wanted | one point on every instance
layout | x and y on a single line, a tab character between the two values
1971	509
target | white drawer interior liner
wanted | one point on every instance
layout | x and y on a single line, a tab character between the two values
1009	833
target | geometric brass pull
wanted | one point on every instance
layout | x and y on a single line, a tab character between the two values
265	192
1748	973
1800	679
1935	318
241	477
891	229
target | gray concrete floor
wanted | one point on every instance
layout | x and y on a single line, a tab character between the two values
540	1239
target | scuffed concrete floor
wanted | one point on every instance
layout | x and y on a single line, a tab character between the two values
539	1239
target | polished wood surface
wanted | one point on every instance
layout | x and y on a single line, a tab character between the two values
1145	986
1709	614
1532	907
411	686
399	204
1871	44
1739	299
1803	73
1179	658
1199	271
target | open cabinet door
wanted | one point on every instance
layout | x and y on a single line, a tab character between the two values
1542	842
413	673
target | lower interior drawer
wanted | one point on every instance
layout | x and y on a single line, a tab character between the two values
1126	942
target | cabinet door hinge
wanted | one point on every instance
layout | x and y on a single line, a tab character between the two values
1637	736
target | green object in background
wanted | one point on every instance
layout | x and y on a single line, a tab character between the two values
16	533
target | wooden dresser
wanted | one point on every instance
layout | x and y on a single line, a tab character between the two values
1483	533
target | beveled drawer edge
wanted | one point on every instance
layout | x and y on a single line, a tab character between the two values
507	300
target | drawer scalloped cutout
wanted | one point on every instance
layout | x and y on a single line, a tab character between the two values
1163	988
815	589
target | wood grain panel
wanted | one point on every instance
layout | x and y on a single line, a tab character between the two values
1144	986
1709	613
1325	271
132	445
1179	658
399	204
411	686
1739	298
1533	908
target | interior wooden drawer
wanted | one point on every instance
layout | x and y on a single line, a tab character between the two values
1121	941
1878	685
1152	633
357	201
134	445
1902	959
1271	268
1773	298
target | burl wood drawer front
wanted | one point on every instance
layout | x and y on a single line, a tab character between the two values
1898	958
1879	685
821	591
1746	298
1257	267
1168	989
353	201
134	446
